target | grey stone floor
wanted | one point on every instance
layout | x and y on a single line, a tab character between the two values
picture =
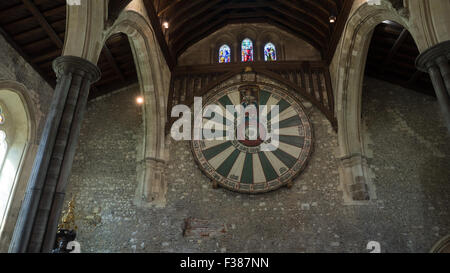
411	155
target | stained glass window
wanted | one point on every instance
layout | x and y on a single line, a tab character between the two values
270	52
3	147
224	54
247	50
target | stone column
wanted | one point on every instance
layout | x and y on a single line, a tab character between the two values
155	182
442	62
434	61
45	192
355	169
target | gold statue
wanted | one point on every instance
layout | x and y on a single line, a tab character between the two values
68	220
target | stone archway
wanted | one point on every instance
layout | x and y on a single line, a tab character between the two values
351	59
153	155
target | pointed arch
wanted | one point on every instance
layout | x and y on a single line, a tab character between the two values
351	60
149	65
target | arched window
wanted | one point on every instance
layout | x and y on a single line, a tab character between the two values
16	135
3	147
4	167
270	52
224	54
3	143
247	50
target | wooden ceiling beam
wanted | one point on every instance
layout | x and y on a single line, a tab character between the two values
34	31
168	7
318	7
303	9
294	32
216	26
198	34
115	7
43	22
207	20
27	58
314	40
332	6
398	43
181	10
192	14
110	86
112	62
47	56
27	20
205	17
42	42
338	30
181	44
339	4
154	20
244	15
309	19
174	37
302	19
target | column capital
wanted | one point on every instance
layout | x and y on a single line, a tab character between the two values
429	57
71	64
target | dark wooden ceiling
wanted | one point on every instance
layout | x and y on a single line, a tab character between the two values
190	21
36	29
391	57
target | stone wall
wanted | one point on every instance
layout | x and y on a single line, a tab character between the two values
410	151
14	68
18	76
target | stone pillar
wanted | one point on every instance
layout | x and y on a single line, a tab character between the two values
434	61
46	187
442	62
354	169
155	182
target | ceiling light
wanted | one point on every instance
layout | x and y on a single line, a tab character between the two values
332	19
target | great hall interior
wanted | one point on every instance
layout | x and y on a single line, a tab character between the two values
88	123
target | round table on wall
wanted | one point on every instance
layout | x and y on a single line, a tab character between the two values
262	152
